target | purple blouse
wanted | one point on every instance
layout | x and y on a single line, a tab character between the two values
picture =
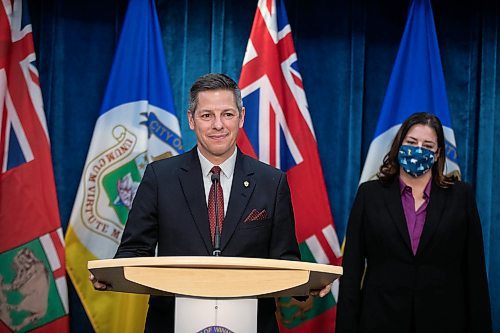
415	220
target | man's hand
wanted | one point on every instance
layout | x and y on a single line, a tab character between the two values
99	285
321	293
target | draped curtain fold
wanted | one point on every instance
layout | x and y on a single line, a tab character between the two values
488	149
346	51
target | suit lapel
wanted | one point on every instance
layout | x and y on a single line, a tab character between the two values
241	191
395	208
435	208
192	185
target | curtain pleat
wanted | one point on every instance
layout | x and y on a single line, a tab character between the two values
488	152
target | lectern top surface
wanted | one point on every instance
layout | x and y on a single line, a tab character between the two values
215	262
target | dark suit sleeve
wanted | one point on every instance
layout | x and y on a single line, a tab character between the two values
353	262
283	240
141	231
479	313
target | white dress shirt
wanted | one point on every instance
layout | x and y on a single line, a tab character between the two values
226	176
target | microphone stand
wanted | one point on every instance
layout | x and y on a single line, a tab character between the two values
216	252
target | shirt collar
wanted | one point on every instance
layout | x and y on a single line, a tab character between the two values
427	190
227	167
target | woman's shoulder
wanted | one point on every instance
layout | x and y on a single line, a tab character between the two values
458	187
375	185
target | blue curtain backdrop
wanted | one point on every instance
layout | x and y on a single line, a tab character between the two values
346	51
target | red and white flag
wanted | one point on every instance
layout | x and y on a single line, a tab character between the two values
33	291
278	130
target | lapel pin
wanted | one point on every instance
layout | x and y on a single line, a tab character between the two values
246	183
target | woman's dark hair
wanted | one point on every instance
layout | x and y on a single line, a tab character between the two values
390	167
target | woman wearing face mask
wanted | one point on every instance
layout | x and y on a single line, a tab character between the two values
413	259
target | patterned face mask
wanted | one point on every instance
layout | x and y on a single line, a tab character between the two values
415	161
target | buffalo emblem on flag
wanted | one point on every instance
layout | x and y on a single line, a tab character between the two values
27	287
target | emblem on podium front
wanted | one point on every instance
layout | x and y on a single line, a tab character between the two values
215	329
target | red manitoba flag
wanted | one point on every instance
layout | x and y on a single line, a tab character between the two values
278	130
33	292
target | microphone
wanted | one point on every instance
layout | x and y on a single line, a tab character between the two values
215	179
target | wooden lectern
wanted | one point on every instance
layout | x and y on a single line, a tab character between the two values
209	282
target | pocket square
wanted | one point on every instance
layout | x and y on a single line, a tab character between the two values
256	215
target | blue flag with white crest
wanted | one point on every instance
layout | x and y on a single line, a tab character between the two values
416	85
137	124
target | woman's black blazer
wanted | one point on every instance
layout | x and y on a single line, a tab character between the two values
443	288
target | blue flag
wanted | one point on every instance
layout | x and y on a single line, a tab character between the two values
137	124
416	85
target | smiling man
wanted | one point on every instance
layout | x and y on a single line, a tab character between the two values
174	205
216	116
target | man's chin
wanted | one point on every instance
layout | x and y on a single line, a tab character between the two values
220	151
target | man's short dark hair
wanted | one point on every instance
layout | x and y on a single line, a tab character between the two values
214	81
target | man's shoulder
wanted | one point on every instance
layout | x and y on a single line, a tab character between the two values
173	162
260	167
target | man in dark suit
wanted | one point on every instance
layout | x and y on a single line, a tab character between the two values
170	208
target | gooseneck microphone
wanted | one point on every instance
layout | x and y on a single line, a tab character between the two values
216	179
